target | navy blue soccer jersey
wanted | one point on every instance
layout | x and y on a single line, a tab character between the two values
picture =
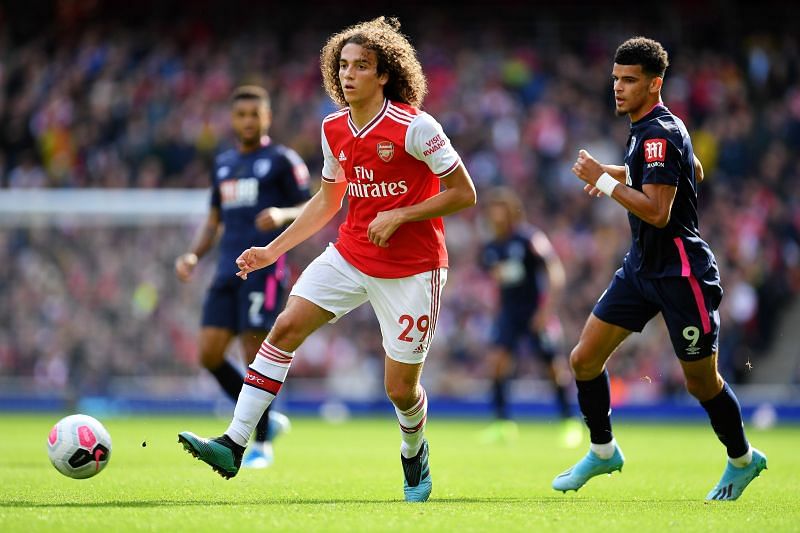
518	270
244	184
659	151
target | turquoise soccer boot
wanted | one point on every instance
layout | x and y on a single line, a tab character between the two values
587	468
735	480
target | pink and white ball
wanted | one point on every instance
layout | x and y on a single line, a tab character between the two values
79	446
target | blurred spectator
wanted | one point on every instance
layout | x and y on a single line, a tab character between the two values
27	174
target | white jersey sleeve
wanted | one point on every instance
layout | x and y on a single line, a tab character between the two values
426	141
332	171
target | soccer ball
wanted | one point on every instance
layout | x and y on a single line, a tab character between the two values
79	446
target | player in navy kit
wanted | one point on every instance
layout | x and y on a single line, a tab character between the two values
668	269
257	189
530	276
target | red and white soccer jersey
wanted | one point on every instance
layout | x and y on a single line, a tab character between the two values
396	160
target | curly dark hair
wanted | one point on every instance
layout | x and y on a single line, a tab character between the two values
396	57
645	52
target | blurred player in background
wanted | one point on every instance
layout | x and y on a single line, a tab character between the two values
257	189
530	276
392	160
668	269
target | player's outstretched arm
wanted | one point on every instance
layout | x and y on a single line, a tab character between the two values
459	193
204	240
315	214
277	217
653	204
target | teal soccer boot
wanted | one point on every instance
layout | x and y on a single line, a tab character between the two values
417	484
587	468
222	454
735	480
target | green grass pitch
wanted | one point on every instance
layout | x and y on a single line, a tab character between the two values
347	477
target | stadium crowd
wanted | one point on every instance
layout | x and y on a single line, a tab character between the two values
112	107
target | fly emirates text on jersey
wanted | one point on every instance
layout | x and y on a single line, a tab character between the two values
365	186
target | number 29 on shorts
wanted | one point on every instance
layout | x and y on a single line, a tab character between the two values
408	323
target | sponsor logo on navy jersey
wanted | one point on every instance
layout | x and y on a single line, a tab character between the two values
655	152
239	193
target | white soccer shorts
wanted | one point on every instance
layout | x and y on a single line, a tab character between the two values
407	308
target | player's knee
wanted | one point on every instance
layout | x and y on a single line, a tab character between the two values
585	364
287	332
703	388
401	394
578	361
211	359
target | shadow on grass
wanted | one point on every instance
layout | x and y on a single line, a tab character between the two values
310	502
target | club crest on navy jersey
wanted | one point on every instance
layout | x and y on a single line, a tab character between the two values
261	167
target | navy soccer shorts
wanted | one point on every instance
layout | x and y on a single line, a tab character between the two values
689	306
512	327
240	305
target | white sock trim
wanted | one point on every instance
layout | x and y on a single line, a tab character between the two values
604	451
744	460
275	355
269	368
421	403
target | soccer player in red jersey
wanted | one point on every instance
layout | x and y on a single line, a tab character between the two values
401	175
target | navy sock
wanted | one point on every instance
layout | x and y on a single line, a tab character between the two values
229	378
726	419
561	400
594	398
500	398
263	425
232	382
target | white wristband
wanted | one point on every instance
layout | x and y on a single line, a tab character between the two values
606	184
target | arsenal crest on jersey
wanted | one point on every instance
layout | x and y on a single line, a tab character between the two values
386	151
